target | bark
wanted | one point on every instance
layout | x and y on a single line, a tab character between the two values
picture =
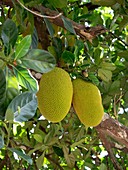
112	128
86	33
113	135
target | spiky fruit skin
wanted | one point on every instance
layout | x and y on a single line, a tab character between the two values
87	103
55	94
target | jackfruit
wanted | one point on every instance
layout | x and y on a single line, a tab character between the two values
87	102
55	94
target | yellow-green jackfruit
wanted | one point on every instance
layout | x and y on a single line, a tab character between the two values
87	102
55	94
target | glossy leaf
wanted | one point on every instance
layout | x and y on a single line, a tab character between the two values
39	60
9	33
93	78
58	151
25	79
23	47
49	27
68	57
22	155
34	43
68	25
22	107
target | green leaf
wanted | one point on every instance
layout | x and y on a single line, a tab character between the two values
123	54
115	88
57	44
2	93
25	79
123	23
23	107
93	78
9	33
105	75
49	27
40	160
80	133
2	86
69	157
119	46
107	100
97	54
68	25
34	43
39	146
23	47
22	155
58	151
102	167
72	0
108	66
1	142
38	138
68	57
39	60
104	2
58	3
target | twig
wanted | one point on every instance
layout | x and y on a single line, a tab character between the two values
38	14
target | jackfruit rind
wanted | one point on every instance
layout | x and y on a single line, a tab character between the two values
55	94
87	102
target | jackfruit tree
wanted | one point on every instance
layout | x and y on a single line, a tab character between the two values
64	84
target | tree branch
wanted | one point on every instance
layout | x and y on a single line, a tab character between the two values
107	145
86	33
114	129
110	127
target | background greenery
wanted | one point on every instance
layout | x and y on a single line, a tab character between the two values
93	45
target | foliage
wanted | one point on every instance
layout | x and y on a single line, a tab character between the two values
30	44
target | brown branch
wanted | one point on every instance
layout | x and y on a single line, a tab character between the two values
86	33
114	129
110	127
107	145
42	33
